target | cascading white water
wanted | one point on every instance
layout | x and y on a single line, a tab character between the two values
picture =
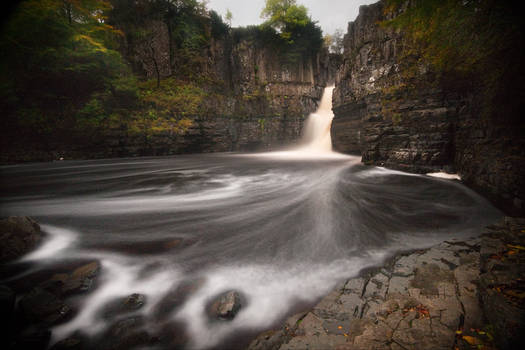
316	141
316	135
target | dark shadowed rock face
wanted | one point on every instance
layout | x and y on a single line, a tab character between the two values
390	108
19	235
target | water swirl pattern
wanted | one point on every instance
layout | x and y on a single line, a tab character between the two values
281	228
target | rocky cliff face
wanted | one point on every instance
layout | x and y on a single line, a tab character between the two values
261	101
389	107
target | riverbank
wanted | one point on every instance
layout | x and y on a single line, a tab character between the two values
456	295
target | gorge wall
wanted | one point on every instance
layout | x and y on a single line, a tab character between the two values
390	107
255	99
161	85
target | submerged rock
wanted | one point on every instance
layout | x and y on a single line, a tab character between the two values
125	334
19	235
42	306
73	342
80	280
177	297
226	306
124	305
34	338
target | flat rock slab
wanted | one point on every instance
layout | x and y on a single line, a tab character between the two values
427	299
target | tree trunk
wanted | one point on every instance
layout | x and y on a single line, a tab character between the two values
157	71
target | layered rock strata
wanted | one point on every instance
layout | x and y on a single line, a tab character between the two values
390	108
263	99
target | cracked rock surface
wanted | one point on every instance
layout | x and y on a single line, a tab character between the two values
456	295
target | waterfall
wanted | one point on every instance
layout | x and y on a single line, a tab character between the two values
316	136
316	141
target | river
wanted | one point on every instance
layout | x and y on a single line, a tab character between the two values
281	228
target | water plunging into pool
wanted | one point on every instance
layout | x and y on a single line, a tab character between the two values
281	228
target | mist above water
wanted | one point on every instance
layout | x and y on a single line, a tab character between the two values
280	228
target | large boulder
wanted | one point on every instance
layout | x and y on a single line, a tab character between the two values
226	306
19	235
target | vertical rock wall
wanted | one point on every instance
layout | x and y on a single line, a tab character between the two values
262	103
390	108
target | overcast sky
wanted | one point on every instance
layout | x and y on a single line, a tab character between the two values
330	14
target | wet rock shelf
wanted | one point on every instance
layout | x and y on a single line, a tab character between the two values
455	295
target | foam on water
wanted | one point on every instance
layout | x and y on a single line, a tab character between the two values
281	228
57	241
442	175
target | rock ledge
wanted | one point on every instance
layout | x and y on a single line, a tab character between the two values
456	295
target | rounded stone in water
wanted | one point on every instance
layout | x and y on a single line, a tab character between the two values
226	306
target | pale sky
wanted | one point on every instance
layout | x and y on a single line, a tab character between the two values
330	14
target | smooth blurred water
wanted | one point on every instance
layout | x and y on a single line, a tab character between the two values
282	228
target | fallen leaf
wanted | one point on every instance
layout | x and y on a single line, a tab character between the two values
519	247
471	340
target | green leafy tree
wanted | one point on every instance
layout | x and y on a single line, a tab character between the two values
285	16
302	36
229	17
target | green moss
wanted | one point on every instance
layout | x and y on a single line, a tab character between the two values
396	118
468	44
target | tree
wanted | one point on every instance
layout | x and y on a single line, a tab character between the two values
229	17
285	16
57	55
337	45
328	41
